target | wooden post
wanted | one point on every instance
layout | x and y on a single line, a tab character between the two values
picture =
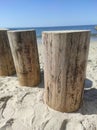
25	54
6	61
65	60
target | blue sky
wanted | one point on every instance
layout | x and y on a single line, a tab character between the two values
32	13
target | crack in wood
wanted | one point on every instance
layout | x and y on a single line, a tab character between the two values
59	82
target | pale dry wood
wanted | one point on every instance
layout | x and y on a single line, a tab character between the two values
65	60
25	54
6	61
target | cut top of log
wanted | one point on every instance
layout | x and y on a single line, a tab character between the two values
4	29
66	31
28	30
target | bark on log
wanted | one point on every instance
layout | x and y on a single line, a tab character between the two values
65	60
6	61
25	54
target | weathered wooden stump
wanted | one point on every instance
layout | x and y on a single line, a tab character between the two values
65	60
6	61
25	54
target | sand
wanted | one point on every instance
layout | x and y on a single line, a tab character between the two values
23	108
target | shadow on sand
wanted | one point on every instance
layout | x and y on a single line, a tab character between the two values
41	85
89	105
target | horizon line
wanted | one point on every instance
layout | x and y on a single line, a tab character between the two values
48	26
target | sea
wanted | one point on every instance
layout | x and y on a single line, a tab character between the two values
39	30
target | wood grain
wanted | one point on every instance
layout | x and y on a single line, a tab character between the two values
65	60
25	54
6	61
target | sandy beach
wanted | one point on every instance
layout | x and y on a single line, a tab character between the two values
23	108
